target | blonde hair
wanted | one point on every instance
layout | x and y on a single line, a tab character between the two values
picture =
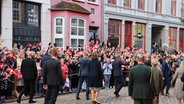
182	65
154	61
20	55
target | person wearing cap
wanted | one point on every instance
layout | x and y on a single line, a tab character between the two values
141	87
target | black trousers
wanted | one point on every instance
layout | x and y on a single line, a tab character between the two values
52	94
143	101
118	82
80	82
29	84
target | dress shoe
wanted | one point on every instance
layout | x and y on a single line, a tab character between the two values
77	98
18	100
117	95
87	98
167	94
97	102
93	102
32	101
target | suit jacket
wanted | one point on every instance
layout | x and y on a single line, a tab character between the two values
141	84
44	59
166	71
83	66
116	67
52	73
148	63
29	69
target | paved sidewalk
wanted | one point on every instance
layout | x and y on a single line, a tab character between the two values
106	97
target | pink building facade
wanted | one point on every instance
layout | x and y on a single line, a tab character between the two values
75	21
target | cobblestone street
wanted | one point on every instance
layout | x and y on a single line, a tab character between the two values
106	97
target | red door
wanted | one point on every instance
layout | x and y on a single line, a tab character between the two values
128	34
181	40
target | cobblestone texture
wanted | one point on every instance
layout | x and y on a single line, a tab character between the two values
106	97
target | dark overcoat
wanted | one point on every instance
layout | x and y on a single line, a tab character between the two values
95	74
139	85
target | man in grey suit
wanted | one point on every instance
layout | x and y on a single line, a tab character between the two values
83	70
141	85
52	77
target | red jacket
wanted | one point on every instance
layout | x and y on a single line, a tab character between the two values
64	70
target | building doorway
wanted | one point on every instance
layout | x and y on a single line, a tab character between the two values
181	40
115	32
128	34
156	34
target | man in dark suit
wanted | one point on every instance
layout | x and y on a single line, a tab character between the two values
166	72
29	73
45	58
141	83
83	70
52	77
118	76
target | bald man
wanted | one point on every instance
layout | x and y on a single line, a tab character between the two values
141	85
29	73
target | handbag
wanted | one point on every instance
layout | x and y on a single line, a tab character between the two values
19	75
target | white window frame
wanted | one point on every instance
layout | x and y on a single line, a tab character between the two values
59	36
80	0
77	36
90	1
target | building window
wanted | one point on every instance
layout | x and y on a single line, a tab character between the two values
33	14
158	6
141	4
112	1
182	8
59	42
59	31
140	28
93	1
127	3
26	13
59	26
173	7
18	12
114	27
78	29
92	11
172	38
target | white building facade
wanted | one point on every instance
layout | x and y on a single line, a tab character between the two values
25	22
160	21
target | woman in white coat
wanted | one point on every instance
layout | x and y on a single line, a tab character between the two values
178	83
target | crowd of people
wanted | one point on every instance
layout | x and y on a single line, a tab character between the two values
89	68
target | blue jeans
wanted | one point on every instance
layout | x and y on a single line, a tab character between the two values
107	80
41	90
